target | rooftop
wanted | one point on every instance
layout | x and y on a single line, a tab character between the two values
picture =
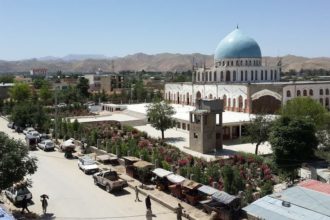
302	202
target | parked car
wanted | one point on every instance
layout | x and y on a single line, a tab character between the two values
110	180
27	130
18	129
46	145
44	137
11	125
61	105
34	134
16	195
88	165
68	144
31	141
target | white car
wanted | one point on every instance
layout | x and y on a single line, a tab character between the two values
34	134
16	195
61	105
27	130
46	145
88	165
68	144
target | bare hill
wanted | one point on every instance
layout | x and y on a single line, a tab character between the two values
140	61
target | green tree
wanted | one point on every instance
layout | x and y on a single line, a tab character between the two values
45	94
83	87
293	142
15	162
20	92
233	182
160	116
258	130
305	107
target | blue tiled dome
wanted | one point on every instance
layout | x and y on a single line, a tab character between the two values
237	45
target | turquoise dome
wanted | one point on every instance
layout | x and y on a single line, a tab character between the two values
237	45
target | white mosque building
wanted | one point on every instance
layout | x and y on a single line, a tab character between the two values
240	79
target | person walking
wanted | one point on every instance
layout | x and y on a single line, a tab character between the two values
179	212
25	205
137	194
148	203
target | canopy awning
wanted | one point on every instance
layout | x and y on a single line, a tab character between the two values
177	179
223	197
161	172
106	157
190	184
208	190
132	159
143	164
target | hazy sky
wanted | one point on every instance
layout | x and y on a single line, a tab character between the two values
37	28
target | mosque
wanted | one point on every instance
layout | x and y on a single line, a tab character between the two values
240	79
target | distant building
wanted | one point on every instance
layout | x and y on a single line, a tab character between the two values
4	90
112	83
39	71
309	200
94	82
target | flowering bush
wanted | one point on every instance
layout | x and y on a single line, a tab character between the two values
182	162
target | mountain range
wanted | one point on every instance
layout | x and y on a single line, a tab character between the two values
140	61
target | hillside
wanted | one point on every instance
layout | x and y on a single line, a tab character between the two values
140	61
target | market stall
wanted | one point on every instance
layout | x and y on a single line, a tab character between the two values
140	170
160	179
108	159
190	192
175	187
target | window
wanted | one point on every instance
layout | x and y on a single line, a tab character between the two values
195	135
266	75
237	64
242	75
224	98
246	78
311	92
327	91
251	74
198	76
221	76
250	63
288	93
298	93
262	75
271	74
305	92
246	62
241	62
232	63
256	75
206	76
321	91
215	76
210	76
234	75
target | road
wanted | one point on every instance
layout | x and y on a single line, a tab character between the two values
73	194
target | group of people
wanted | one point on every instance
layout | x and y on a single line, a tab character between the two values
44	203
149	215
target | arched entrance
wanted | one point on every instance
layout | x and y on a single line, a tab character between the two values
198	95
266	104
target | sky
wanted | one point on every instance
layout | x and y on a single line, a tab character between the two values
39	28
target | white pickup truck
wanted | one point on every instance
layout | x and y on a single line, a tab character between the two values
110	180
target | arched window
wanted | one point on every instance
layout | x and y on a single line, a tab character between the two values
224	98
305	92
327	91
210	76
256	75
232	63
246	62
241	62
221	76
266	76
250	63
288	93
271	74
298	93
227	63
237	63
223	63
254	62
240	102
228	104
234	75
199	76
246	77
210	96
215	76
242	75
262	75
251	74
311	93
234	102
321	91
206	76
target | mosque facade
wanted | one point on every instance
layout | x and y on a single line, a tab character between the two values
242	81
